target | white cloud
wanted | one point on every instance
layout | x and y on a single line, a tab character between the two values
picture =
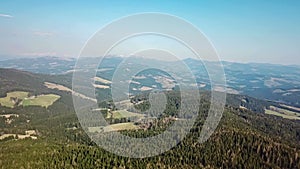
6	15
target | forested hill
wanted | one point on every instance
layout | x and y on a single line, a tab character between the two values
13	79
243	139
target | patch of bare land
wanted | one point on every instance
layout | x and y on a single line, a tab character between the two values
17	136
290	107
226	90
273	82
139	77
242	107
101	86
124	104
145	88
202	85
101	80
104	69
28	134
134	82
166	83
57	86
284	113
7	116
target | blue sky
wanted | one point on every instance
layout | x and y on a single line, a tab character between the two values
242	31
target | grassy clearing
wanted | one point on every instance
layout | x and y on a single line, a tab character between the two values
290	107
292	116
114	127
123	126
17	98
101	86
57	86
64	88
101	80
124	114
284	111
41	100
8	102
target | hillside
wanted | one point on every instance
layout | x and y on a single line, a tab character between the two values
264	81
245	138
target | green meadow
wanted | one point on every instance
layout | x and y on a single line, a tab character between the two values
41	100
124	114
18	98
8	102
287	114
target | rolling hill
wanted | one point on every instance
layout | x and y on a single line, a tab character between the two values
278	83
245	138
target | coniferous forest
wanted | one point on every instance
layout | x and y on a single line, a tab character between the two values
245	138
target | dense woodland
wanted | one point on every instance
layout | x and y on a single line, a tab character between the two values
244	138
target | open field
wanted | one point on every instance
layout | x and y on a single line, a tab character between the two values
101	86
124	114
145	88
101	80
166	82
284	111
114	127
284	114
64	88
8	102
124	104
57	86
290	107
42	100
123	126
22	97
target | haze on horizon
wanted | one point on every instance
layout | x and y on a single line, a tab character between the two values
249	31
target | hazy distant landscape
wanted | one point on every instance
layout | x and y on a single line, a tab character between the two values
261	123
150	84
264	81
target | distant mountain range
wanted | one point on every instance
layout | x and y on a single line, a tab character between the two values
278	83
